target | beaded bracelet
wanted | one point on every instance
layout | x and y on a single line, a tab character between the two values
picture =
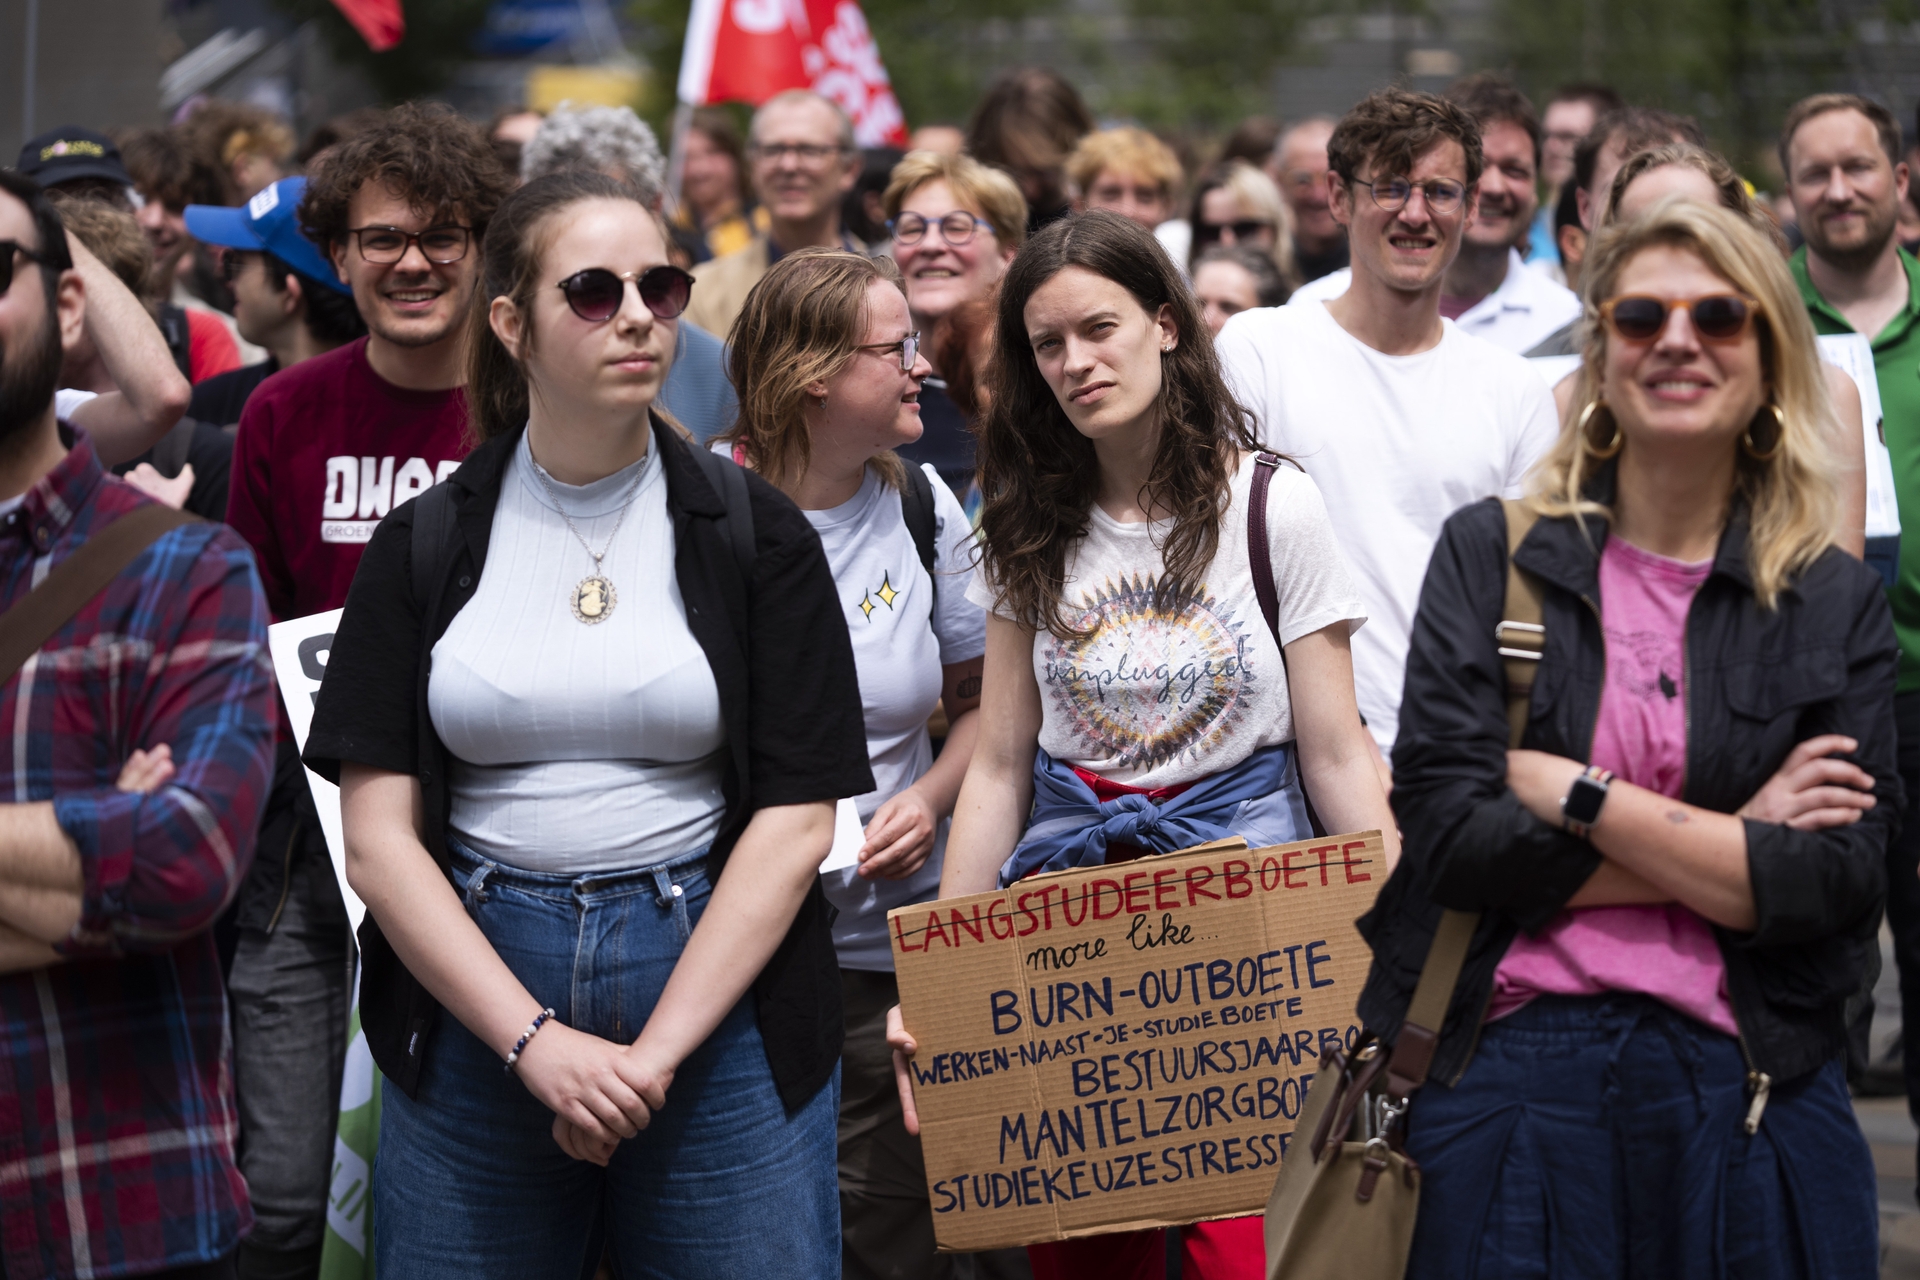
520	1044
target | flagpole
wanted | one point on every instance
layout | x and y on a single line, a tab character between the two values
677	151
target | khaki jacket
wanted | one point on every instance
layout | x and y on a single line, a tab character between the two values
721	287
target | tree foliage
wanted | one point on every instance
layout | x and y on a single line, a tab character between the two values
1205	64
1735	65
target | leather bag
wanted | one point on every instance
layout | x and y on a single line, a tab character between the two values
1348	1194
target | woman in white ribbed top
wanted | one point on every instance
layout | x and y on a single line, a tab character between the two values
611	747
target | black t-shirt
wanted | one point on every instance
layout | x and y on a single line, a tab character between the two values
945	440
789	698
220	398
1314	265
210	454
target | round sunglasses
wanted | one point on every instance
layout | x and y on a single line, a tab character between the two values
596	293
1717	317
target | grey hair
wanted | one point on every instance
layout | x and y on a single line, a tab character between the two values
610	140
789	97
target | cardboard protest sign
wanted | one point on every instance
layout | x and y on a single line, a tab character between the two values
300	647
1128	1046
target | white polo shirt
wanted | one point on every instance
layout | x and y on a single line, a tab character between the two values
1527	307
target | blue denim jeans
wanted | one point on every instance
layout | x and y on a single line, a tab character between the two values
468	1181
1604	1138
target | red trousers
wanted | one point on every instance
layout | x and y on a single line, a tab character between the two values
1230	1249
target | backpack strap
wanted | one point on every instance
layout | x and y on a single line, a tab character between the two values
729	480
75	581
1259	555
1260	558
1522	633
916	507
433	544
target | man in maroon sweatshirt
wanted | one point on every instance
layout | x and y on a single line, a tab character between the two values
324	450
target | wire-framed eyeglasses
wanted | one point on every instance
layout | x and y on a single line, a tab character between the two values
908	347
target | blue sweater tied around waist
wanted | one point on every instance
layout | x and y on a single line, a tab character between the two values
1260	799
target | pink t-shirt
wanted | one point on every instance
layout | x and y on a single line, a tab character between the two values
1667	952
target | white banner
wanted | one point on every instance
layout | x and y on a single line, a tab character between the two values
300	648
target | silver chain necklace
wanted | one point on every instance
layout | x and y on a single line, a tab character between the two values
593	598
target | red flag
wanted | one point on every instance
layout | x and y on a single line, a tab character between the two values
749	50
379	22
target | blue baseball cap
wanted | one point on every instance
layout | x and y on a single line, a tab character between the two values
266	224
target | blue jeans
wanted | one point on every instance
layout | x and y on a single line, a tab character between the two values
1604	1137
468	1181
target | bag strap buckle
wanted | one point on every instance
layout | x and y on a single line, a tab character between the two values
1526	640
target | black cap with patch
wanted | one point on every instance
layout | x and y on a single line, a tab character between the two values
70	153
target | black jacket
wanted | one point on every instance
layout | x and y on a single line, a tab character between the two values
789	698
1757	683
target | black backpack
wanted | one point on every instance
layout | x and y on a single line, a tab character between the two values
916	508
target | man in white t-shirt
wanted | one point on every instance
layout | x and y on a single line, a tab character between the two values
1399	417
1489	291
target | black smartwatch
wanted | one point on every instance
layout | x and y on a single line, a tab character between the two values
1580	807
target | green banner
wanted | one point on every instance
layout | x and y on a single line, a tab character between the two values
347	1252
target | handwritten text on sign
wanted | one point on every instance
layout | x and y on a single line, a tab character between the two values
1130	1045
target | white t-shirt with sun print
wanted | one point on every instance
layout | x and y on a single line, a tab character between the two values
1156	697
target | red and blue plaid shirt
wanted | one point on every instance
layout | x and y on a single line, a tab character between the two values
117	1120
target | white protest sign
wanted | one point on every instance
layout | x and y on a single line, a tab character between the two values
300	649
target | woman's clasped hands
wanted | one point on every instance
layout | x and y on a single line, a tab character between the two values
600	1092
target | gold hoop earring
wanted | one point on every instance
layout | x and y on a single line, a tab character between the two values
1586	418
1779	436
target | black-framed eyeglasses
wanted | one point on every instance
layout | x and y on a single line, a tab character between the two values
1443	195
1717	317
908	347
1244	229
8	248
596	293
807	153
384	246
956	228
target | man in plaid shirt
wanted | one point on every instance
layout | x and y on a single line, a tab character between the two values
116	1102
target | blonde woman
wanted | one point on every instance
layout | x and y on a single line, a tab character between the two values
828	367
1236	204
1681	170
1128	171
1678	874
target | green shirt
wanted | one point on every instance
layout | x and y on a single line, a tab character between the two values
1896	366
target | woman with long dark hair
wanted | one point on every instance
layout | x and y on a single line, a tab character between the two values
590	705
1119	473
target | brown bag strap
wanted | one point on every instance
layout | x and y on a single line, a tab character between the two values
1521	638
76	580
1521	635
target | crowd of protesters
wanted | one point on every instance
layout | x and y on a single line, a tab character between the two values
664	521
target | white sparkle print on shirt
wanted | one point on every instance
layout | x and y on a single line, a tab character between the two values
1149	685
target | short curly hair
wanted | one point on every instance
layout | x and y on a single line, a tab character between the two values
427	151
601	138
1391	129
165	167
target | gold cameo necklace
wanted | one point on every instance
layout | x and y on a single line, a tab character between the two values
593	597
